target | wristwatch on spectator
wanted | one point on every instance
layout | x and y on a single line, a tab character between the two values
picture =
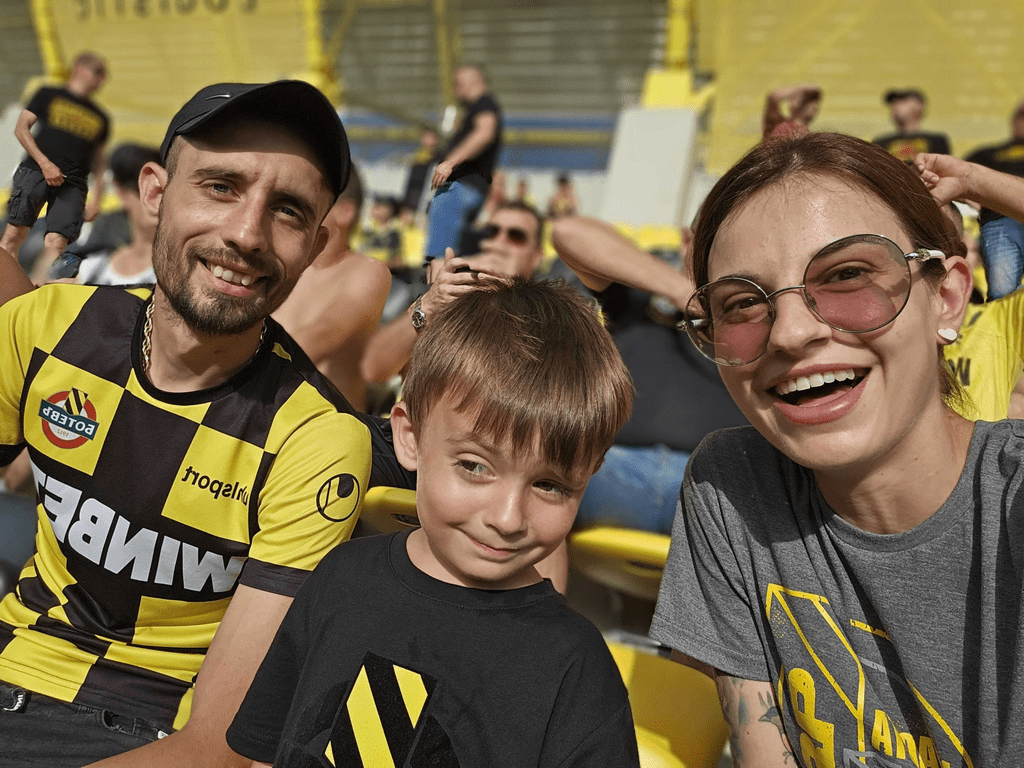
418	318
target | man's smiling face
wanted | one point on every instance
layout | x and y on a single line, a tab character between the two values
240	220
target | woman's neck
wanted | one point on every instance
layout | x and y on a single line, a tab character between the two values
906	487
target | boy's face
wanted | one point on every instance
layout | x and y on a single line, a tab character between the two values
488	514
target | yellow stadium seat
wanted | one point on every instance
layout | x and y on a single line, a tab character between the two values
627	560
654	751
387	509
675	709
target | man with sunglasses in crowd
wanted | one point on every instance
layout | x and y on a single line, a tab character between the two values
510	247
65	148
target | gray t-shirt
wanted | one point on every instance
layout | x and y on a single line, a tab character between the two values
905	649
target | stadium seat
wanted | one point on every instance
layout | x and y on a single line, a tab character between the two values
387	510
654	751
675	709
626	560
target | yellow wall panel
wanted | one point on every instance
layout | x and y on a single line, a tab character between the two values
160	52
965	54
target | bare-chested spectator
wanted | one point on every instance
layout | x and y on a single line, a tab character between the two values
336	305
65	148
906	106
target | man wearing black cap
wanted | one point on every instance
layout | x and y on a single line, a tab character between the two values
907	109
191	465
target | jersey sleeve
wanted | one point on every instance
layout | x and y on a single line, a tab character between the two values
703	606
15	354
310	501
1013	324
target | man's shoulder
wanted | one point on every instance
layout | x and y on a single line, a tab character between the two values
487	103
293	368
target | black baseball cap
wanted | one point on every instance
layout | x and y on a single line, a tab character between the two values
903	93
294	103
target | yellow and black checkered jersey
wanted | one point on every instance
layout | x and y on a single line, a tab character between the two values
987	356
154	505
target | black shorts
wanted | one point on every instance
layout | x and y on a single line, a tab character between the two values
65	205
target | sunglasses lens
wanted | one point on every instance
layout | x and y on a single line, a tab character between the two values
515	235
856	284
859	286
729	321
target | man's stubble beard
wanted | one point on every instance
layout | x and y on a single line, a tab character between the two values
208	313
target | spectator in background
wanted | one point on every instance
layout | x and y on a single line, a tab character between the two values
422	160
680	397
66	147
790	110
133	263
337	302
497	195
522	192
563	202
907	110
382	233
1002	238
464	174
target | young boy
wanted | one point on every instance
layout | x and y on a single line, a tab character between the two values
443	646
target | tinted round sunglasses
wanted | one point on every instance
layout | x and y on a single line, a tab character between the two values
856	284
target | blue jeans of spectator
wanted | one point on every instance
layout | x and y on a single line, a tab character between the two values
636	487
1002	251
39	732
454	205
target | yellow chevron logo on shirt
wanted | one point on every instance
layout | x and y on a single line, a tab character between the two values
382	721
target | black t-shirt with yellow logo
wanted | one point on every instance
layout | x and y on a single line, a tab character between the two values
906	146
70	130
153	506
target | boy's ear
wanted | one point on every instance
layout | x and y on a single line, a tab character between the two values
404	438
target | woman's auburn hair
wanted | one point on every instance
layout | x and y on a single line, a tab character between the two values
841	157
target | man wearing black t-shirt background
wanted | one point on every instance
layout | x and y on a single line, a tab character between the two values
907	110
1002	238
464	174
66	147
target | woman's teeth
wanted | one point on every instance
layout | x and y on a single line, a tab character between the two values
802	383
231	277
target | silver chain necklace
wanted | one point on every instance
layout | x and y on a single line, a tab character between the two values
147	338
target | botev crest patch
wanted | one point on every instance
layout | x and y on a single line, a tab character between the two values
68	418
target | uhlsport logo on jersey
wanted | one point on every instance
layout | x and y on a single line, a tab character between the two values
69	419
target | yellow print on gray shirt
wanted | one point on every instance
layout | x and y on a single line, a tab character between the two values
844	700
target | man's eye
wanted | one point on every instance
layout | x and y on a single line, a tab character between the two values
472	467
220	189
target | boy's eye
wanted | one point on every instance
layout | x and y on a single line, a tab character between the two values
473	467
548	486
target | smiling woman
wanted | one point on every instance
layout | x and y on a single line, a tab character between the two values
845	568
